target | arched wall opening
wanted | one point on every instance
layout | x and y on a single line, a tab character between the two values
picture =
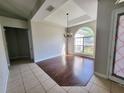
84	41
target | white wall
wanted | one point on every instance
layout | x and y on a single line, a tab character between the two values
104	16
3	65
10	22
48	40
30	40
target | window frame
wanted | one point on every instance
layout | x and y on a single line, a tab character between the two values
84	45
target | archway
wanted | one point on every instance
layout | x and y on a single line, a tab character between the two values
84	41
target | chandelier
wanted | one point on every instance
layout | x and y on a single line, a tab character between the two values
67	34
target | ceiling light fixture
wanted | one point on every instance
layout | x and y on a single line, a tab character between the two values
68	33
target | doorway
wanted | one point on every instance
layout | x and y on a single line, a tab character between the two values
17	43
116	72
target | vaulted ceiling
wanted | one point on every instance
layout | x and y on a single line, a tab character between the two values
60	17
20	9
80	11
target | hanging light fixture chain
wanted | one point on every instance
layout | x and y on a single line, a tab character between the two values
67	21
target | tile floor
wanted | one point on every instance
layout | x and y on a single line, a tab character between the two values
29	78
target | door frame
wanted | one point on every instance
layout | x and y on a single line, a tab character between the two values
5	45
29	43
112	38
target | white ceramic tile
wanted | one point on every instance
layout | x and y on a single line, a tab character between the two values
117	88
31	83
17	89
37	89
24	65
101	82
14	67
88	86
26	73
14	84
66	88
14	73
14	78
49	83
56	89
43	78
97	89
33	66
77	90
29	78
25	69
36	68
38	71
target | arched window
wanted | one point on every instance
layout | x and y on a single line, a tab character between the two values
84	41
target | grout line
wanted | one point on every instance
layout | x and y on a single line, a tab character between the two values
65	90
22	80
46	80
37	79
59	86
34	76
100	85
111	88
20	72
90	86
51	88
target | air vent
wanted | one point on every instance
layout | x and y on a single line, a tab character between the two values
50	8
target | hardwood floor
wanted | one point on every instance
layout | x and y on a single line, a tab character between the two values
69	70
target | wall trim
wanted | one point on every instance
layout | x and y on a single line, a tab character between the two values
38	60
84	55
101	75
19	57
6	82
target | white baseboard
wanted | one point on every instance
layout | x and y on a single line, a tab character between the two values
6	82
101	75
83	55
47	58
19	57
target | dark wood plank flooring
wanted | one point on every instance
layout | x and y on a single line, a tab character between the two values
69	70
